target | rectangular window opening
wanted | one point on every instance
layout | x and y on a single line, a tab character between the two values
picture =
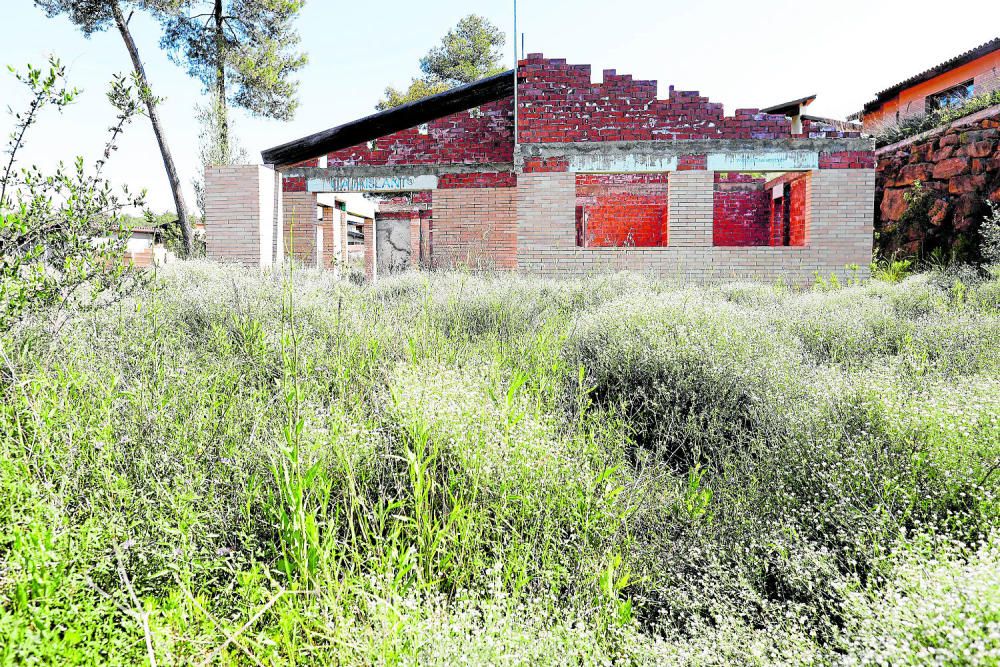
621	210
759	209
955	96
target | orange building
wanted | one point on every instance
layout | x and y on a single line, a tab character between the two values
972	73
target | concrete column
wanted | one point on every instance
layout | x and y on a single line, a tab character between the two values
690	209
278	247
425	243
415	241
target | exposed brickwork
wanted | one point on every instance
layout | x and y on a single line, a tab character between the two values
797	212
692	162
480	135
239	210
475	227
987	81
371	266
838	229
478	180
558	103
618	210
847	160
300	226
691	206
742	211
959	169
542	165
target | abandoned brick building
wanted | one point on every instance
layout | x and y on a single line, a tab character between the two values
596	176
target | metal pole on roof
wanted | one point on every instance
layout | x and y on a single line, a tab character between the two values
515	77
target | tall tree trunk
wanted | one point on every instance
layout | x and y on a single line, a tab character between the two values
220	81
154	118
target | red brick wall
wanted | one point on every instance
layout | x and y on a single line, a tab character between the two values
465	137
789	211
505	179
847	160
558	103
742	210
622	210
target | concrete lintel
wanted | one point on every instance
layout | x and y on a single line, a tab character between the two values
392	171
690	147
372	183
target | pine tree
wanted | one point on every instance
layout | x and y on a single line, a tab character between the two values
243	51
472	50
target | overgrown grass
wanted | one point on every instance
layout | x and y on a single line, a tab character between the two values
448	468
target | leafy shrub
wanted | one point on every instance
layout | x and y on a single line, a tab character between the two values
61	235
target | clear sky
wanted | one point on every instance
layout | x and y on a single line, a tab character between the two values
738	52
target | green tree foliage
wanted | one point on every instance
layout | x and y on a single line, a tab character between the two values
243	51
97	15
61	234
472	50
216	146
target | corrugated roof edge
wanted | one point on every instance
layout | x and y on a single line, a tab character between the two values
926	75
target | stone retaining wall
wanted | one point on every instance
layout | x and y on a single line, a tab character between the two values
958	167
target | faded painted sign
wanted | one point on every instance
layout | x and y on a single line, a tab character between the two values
776	161
622	164
372	183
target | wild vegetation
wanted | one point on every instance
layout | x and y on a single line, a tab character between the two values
908	127
446	468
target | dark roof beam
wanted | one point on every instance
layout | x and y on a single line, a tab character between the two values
389	121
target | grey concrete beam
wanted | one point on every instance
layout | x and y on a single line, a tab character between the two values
692	147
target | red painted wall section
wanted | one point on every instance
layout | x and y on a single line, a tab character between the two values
479	135
742	208
621	210
558	103
789	211
797	220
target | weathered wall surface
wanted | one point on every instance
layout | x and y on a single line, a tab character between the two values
958	167
626	158
742	208
300	224
392	238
